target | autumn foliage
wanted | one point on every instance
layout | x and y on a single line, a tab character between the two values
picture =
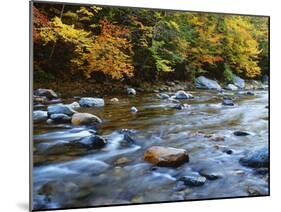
129	43
111	52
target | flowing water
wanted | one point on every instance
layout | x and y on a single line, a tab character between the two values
93	178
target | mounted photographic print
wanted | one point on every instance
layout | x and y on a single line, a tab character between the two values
137	105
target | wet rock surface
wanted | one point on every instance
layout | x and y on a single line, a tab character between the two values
257	159
166	156
85	119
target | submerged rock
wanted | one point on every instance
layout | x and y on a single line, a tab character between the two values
205	83
57	189
193	180
210	175
183	95
53	148
241	133
166	156
181	106
39	115
256	159
60	118
93	141
121	161
246	93
91	102
85	119
60	109
49	93
131	91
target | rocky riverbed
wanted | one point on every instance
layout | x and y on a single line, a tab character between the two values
149	147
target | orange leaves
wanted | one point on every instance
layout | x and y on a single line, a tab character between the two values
39	20
111	52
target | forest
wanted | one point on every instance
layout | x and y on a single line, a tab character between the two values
127	44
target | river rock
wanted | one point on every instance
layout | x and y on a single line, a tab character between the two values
205	83
60	109
93	142
60	118
166	156
239	82
74	105
121	161
40	99
39	115
246	93
183	95
85	119
193	180
209	175
256	159
131	91
163	96
231	87
57	189
227	102
241	133
181	106
53	148
134	109
50	94
114	100
91	102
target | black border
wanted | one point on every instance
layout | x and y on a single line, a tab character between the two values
31	2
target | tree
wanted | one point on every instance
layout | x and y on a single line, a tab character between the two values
111	52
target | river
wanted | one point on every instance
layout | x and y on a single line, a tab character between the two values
94	178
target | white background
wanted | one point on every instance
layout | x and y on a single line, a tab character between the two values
14	112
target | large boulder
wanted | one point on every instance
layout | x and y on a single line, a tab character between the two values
85	119
239	82
183	95
60	109
256	159
50	94
166	156
91	102
131	91
39	115
205	83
